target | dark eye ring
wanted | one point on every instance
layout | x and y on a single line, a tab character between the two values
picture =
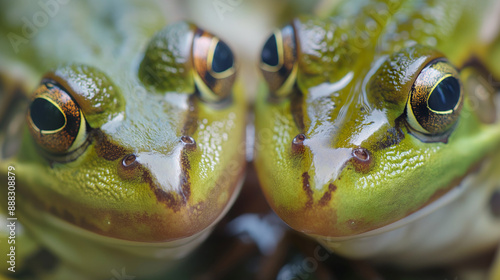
55	120
436	99
278	61
215	67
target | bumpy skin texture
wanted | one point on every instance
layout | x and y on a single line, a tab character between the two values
188	157
356	69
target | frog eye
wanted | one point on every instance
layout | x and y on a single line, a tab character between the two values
55	121
278	61
214	65
436	99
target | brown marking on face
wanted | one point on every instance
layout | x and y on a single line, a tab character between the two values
327	196
391	137
169	199
105	148
307	188
185	178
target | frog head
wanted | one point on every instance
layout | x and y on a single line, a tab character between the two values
150	152
357	130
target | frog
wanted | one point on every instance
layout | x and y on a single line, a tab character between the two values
122	137
377	132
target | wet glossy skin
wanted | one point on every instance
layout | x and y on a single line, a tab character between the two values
154	153
344	145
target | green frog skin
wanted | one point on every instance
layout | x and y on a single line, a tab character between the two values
129	148
377	133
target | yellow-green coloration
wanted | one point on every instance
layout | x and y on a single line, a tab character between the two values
156	165
362	165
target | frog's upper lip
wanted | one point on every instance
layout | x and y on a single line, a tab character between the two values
440	198
446	198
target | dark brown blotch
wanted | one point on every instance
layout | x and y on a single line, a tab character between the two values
327	196
185	177
307	188
391	137
105	148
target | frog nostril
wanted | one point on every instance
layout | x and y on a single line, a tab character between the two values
128	160
188	140
129	167
299	139
298	143
361	159
495	204
361	154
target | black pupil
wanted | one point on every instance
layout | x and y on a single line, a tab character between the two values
45	115
269	53
223	58
445	95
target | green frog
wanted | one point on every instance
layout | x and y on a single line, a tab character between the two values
122	137
377	130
